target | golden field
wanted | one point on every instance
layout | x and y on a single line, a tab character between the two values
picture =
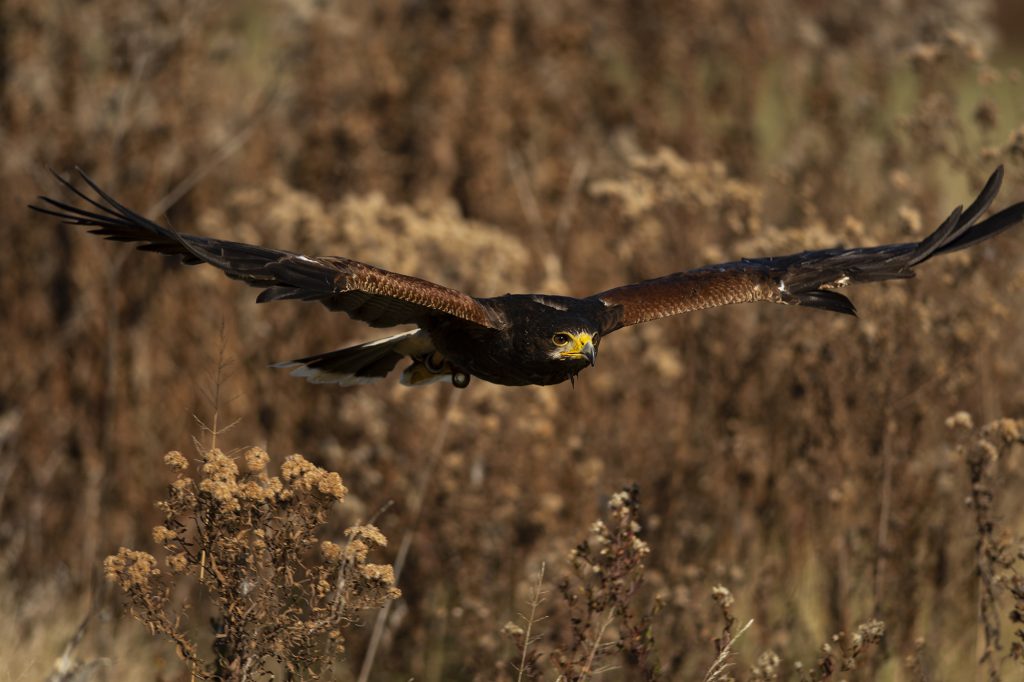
830	479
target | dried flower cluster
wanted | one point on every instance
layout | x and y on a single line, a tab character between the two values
608	571
842	652
839	654
279	593
999	552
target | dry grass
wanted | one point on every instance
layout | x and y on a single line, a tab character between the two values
796	459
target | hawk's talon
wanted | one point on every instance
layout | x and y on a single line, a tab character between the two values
434	362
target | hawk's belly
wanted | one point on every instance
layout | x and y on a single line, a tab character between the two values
490	355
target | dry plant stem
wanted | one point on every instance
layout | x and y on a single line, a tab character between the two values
998	555
589	665
721	663
8	424
213	394
608	571
403	550
536	597
979	457
885	505
67	668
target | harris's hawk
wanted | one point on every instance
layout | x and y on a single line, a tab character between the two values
518	339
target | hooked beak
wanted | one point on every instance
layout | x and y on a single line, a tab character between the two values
581	348
589	352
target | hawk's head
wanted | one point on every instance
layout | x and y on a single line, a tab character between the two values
575	346
554	338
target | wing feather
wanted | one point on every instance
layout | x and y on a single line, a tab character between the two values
366	293
811	277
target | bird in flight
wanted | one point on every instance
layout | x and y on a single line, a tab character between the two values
517	339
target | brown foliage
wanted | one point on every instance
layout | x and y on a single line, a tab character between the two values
608	571
999	551
795	458
247	539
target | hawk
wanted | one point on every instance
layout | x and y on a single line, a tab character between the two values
517	339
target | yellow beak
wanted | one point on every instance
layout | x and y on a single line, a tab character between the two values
589	352
581	348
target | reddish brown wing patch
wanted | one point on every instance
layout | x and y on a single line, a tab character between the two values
811	277
685	292
381	298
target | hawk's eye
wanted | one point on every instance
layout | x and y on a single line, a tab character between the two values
561	339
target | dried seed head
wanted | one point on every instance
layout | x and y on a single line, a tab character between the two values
330	484
722	595
255	491
378	573
870	632
368	532
223	492
219	466
130	569
356	551
640	547
176	461
304	476
256	460
618	500
162	535
1008	429
767	667
331	551
294	467
512	630
178	563
960	420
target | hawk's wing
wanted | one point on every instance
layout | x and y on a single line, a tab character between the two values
372	295
807	278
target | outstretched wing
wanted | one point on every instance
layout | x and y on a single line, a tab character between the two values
809	278
372	295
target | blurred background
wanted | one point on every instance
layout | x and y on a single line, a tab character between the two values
798	458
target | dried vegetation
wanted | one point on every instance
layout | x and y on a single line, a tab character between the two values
793	466
249	540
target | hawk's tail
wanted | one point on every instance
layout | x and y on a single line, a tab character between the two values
372	361
362	364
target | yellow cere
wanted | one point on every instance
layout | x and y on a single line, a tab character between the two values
575	346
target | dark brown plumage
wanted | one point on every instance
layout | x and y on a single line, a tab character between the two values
518	339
